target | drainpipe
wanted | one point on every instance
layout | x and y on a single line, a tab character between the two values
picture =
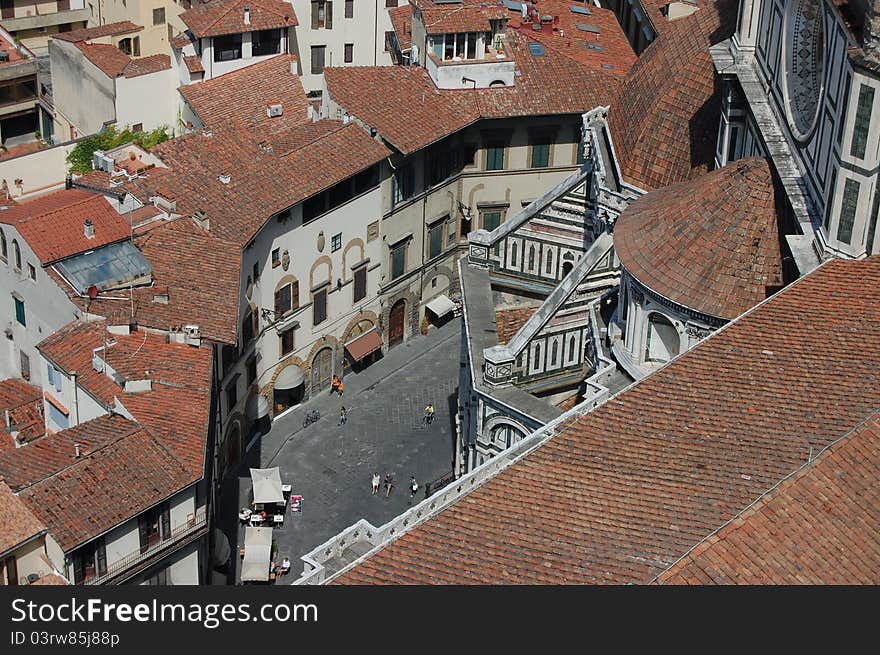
74	410
376	35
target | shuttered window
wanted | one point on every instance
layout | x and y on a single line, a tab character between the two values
360	283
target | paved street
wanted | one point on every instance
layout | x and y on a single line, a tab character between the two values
331	465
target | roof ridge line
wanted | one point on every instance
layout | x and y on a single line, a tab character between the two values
59	209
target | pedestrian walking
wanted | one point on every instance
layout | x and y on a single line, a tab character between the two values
389	484
375	483
334	384
413	486
343	416
339	388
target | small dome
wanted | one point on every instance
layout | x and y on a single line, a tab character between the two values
710	244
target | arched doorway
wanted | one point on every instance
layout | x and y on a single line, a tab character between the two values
322	369
289	388
396	323
663	340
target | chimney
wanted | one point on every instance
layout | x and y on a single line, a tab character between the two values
68	182
6	417
247	15
89	229
871	34
76	450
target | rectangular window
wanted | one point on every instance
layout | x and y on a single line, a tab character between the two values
276	257
349	53
19	311
322	14
435	240
318	59
227	47
349	8
863	122
360	284
50	375
266	42
390	3
389	37
154	527
159	16
58	417
848	211
319	307
287	342
491	220
90	561
282	301
25	365
540	154
335	242
398	261
495	156
403	184
32	272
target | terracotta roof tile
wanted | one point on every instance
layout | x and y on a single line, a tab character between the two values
665	121
110	29
509	321
147	65
401	21
182	40
619	494
465	16
24	402
244	95
821	526
710	243
108	58
17	523
227	16
193	64
42	205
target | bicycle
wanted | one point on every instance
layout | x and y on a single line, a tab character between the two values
311	416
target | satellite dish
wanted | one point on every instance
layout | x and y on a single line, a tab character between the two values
93	292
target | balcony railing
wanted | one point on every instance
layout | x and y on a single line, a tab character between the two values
196	523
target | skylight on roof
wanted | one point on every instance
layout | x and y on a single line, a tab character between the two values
513	6
588	28
111	266
576	9
536	49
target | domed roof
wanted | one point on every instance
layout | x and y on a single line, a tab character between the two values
710	244
664	122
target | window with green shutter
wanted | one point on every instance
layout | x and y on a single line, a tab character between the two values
19	311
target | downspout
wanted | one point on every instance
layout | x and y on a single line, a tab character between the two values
376	35
75	408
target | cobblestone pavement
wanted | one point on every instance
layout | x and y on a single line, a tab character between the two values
330	465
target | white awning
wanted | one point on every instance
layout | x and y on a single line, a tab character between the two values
290	377
257	554
267	485
257	407
441	306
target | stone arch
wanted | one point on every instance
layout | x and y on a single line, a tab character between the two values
412	303
438	271
320	262
353	325
500	422
346	264
662	338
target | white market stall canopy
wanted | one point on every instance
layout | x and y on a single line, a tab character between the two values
441	305
267	485
257	553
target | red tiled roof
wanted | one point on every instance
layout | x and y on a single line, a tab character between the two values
17	522
820	526
174	410
147	65
15	393
44	457
227	16
710	243
109	486
243	95
665	121
509	321
108	58
466	16
41	205
54	235
193	64
110	29
24	402
181	40
620	494
401	21
403	104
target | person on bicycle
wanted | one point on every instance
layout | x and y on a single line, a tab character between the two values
429	414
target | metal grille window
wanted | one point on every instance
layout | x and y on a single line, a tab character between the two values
863	122
848	211
360	284
495	157
336	242
319	307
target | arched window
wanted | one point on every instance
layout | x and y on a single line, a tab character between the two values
3	245
571	346
513	253
554	351
549	262
532	257
536	356
17	252
663	340
566	268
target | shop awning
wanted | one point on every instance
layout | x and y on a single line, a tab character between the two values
257	407
290	377
366	344
257	554
441	306
267	485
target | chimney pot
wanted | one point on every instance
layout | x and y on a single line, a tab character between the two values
76	450
89	229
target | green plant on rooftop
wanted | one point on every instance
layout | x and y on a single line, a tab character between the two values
80	158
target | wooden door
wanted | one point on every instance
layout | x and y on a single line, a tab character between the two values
396	323
322	370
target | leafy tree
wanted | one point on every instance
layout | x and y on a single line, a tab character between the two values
80	158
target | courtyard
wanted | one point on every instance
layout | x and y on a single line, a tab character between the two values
331	465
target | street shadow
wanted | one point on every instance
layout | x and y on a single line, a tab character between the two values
452	402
